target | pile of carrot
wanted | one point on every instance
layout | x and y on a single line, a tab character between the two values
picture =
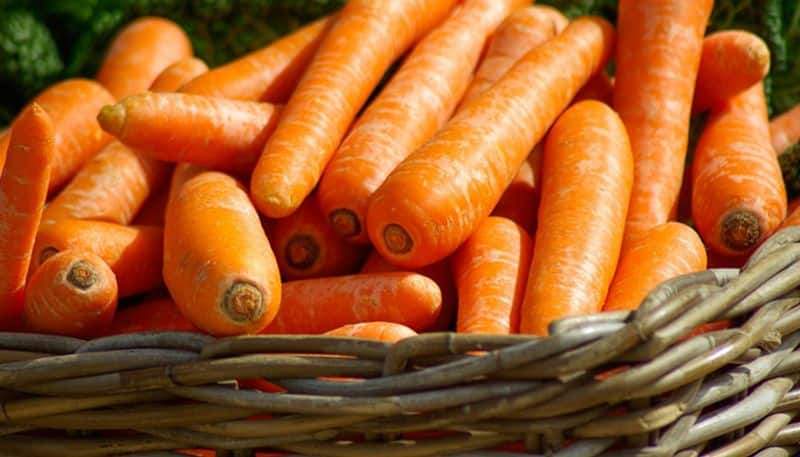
393	168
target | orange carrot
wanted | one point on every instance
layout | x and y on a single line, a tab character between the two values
213	132
520	201
731	61
313	306
355	53
658	56
218	264
142	50
436	198
785	129
23	190
179	73
134	253
417	101
159	314
587	174
269	74
388	332
738	194
5	137
153	210
74	293
598	88
491	269
306	246
661	253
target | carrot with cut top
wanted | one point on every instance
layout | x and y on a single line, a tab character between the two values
365	40
23	191
436	198
179	73
658	57
416	102
587	175
491	270
313	306
139	53
74	294
218	264
738	194
160	314
213	132
785	130
520	201
269	74
388	332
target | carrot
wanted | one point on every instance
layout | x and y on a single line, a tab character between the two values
523	30
218	264
213	132
306	246
388	332
5	137
269	74
23	190
355	53
731	61
159	314
785	129
491	269
661	253
436	198
521	199
134	253
314	306
179	73
738	194
153	210
599	88
587	175
142	50
658	56
74	293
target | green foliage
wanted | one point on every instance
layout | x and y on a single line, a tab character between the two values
29	57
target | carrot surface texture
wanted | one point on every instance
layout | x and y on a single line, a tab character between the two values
179	73
587	175
491	270
153	210
658	56
313	306
218	264
520	201
738	194
785	130
159	314
5	137
74	293
23	191
437	197
366	38
388	332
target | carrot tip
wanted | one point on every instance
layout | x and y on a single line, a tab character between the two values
740	230
46	254
302	251
82	275
345	222
112	118
397	239
243	303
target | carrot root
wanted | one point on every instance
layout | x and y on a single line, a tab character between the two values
740	230
243	302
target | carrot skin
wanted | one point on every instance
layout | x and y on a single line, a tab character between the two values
179	73
388	332
520	201
599	88
160	314
5	137
153	210
785	129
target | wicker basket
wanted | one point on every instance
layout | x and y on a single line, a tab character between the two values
621	384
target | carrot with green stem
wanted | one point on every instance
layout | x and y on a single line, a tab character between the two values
388	332
520	201
159	314
587	175
435	199
785	130
365	40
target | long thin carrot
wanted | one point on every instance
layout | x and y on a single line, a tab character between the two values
355	53
269	74
178	74
491	270
23	191
313	306
388	332
658	56
134	253
218	264
74	293
160	314
587	175
437	197
213	132
785	129
142	50
415	103
738	194
520	201
659	254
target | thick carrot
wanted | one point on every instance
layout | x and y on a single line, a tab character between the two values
587	175
520	201
313	306
658	56
355	53
599	88
659	254
785	129
23	191
388	332
269	74
213	132
306	245
5	137
179	73
74	293
731	61
491	270
142	50
738	194
134	253
218	264
436	198
415	103
160	314
153	210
